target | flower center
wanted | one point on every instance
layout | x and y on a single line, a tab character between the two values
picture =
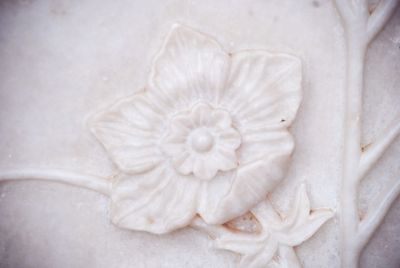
202	141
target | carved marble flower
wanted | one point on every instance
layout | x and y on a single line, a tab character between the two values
207	136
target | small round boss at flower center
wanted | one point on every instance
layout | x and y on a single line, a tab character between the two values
202	141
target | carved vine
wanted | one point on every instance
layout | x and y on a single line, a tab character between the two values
361	23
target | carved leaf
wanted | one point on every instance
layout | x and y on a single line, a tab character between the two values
300	224
273	246
261	258
241	243
287	259
306	229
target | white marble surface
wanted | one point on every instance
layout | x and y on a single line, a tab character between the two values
63	60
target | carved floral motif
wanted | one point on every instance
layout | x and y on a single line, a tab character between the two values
273	245
208	136
202	141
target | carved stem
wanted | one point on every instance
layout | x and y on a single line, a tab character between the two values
360	29
352	151
90	182
289	257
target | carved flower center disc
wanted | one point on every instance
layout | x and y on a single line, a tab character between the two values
202	141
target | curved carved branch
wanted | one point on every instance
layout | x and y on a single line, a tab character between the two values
377	211
375	150
379	17
90	182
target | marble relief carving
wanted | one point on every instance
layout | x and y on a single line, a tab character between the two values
362	22
207	136
207	140
272	245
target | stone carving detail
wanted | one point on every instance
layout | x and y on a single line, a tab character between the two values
202	141
207	136
207	141
272	246
203	144
362	23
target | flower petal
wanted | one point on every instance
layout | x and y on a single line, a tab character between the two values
250	185
190	67
211	193
200	114
300	209
229	139
256	144
264	89
174	143
182	122
205	168
226	159
184	162
156	201
221	119
129	131
264	92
